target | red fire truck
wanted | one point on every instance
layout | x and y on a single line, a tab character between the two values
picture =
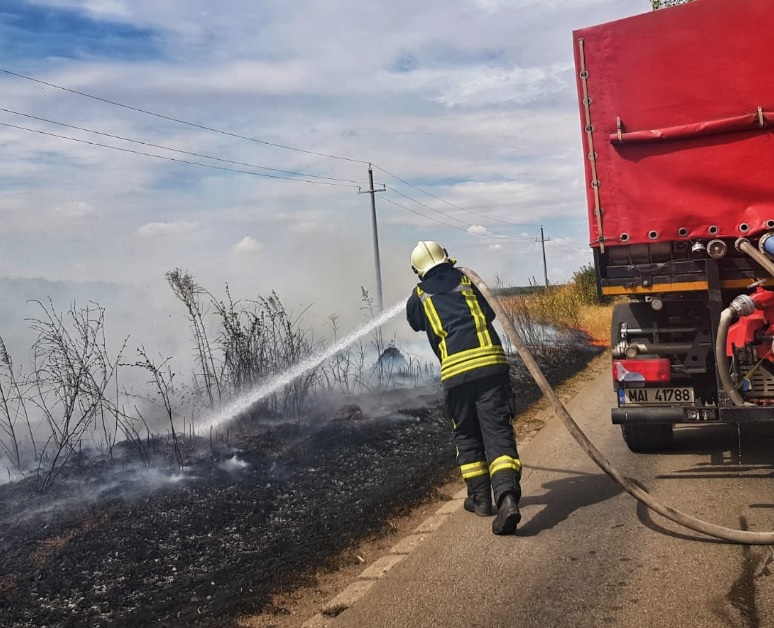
677	111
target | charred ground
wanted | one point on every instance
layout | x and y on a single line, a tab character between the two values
114	543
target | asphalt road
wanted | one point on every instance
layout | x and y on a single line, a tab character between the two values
586	553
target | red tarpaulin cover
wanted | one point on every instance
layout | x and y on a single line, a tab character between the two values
693	88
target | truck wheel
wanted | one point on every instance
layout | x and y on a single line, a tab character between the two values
647	438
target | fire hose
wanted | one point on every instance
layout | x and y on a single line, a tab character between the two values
640	494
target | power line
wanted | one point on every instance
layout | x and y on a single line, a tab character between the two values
468	224
183	161
299	174
239	163
446	224
230	161
438	198
243	137
176	150
441	222
171	119
188	162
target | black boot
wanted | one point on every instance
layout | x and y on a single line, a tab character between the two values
479	499
508	515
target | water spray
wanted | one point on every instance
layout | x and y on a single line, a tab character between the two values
297	370
640	494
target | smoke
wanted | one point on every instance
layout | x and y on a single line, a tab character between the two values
144	477
8	471
283	379
234	464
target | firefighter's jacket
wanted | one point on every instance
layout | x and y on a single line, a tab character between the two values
458	322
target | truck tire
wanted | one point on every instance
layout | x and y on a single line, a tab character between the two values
647	438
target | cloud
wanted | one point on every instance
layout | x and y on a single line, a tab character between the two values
478	230
248	244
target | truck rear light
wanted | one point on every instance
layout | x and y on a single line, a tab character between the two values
647	370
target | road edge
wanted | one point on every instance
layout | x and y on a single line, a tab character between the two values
334	590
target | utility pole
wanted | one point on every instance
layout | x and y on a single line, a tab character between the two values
543	245
377	263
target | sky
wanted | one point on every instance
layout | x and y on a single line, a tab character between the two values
233	140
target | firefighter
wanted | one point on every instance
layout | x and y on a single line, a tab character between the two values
478	397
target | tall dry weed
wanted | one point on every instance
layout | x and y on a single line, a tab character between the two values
569	306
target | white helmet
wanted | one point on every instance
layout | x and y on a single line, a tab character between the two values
427	255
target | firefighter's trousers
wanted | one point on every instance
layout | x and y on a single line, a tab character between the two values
481	413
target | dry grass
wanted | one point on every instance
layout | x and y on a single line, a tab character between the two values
567	306
595	321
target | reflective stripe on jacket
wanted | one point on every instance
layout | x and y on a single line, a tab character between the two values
458	322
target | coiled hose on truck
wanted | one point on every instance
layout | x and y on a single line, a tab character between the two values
640	494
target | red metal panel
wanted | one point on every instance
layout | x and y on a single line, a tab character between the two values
693	77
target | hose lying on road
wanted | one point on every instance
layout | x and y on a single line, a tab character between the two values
710	529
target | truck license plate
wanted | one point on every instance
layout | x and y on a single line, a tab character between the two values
655	395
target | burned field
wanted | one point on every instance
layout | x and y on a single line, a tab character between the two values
116	543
